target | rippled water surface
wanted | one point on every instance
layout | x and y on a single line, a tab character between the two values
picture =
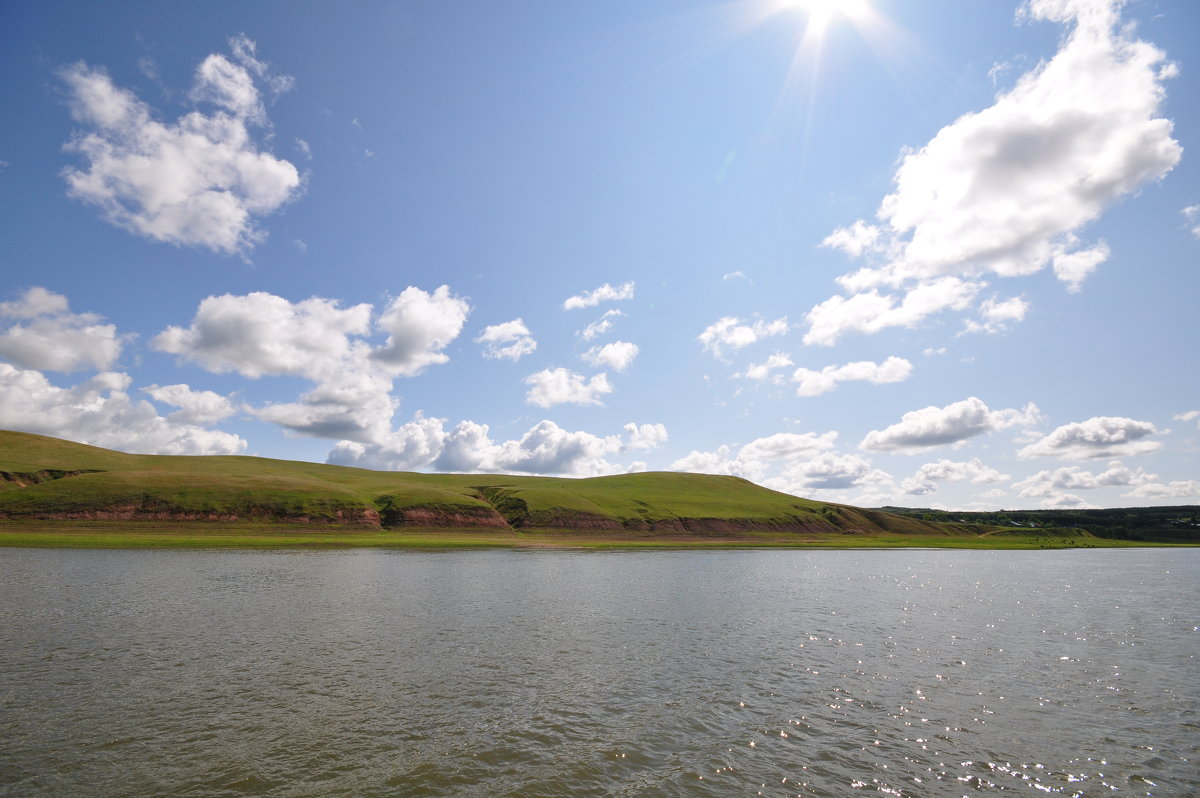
550	673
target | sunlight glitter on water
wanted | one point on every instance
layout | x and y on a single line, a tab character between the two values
492	673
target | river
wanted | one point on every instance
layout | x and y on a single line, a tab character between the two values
621	673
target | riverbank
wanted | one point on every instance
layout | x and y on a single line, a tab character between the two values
151	535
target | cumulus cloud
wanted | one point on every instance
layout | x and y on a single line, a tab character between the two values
43	334
825	471
1052	484
508	341
997	316
645	436
787	446
762	371
558	386
1191	215
546	448
932	426
1073	267
100	412
605	293
814	383
795	463
929	476
35	302
760	459
618	355
871	311
730	333
853	240
262	334
195	407
1177	489
198	181
419	326
1100	436
601	325
1190	415
1006	190
354	404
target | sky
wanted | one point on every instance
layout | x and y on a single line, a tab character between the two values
926	254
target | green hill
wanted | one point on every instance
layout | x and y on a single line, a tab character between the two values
46	483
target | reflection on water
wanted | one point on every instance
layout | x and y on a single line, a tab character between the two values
546	673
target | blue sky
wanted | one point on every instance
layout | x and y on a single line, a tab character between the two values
930	254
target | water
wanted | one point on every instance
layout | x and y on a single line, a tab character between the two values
550	673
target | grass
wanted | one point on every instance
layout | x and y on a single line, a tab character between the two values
53	477
58	493
198	535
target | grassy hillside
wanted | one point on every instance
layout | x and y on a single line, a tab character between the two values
1166	524
63	486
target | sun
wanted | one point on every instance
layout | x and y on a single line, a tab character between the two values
820	14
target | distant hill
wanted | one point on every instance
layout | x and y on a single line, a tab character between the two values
47	479
1169	524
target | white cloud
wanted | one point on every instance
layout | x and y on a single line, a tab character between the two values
195	407
1172	490
999	68
198	181
1143	485
601	325
508	341
1191	214
786	446
48	337
760	459
99	412
929	476
1073	267
605	293
558	386
1005	190
354	404
762	371
546	448
853	240
931	426
792	463
870	311
263	334
1066	501
420	326
618	355
738	275
1100	436
814	383
36	301
645	436
825	471
715	462
730	333
260	333
1190	415
1045	484
996	316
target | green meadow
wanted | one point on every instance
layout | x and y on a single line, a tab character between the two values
59	493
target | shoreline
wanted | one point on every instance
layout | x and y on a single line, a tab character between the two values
151	535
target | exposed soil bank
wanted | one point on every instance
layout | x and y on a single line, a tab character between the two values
108	533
